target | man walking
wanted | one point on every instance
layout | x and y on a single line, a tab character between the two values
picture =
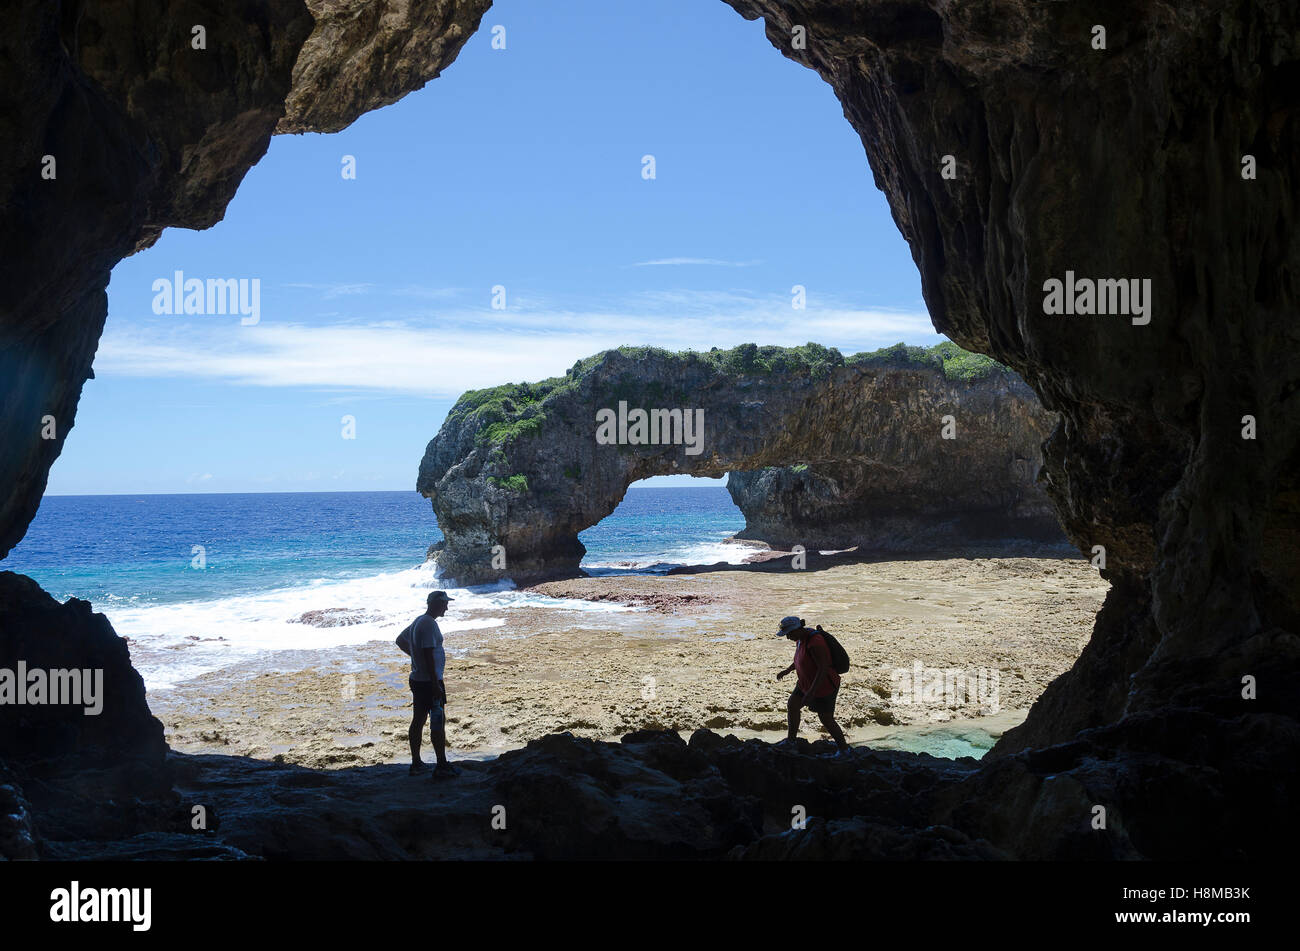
818	683
430	696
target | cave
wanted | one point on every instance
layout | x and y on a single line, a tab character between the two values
1011	150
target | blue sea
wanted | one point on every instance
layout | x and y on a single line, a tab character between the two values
201	581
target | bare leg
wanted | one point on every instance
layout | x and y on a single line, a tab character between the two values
792	716
417	727
834	730
438	735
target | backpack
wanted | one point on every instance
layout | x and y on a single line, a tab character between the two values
839	656
404	639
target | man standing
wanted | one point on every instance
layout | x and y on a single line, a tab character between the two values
427	662
818	683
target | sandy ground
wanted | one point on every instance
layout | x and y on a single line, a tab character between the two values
698	651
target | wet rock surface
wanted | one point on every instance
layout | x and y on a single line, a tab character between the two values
333	617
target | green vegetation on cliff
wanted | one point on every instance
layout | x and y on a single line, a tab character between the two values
500	414
515	483
956	363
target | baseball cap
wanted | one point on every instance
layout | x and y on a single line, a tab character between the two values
788	624
439	596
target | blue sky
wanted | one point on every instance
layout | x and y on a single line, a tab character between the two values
519	167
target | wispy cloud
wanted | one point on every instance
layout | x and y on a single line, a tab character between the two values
429	293
469	349
712	262
329	291
332	290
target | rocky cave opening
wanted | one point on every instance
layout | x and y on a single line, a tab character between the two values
1122	161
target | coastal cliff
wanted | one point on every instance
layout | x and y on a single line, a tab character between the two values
901	449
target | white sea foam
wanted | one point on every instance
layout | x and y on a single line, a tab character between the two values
172	643
704	553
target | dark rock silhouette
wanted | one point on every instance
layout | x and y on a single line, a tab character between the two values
42	634
655	795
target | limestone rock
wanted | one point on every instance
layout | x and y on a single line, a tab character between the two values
517	471
393	47
18	837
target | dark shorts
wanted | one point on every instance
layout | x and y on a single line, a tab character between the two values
824	704
427	699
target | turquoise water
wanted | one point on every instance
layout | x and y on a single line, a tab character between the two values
947	742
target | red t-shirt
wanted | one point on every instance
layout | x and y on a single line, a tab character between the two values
806	654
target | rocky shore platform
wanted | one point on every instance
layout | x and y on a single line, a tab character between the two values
678	652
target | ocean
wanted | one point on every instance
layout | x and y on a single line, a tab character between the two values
226	576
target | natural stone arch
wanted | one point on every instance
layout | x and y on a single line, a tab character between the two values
901	452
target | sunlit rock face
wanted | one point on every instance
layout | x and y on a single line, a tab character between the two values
893	450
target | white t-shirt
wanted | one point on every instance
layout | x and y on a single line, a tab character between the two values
426	633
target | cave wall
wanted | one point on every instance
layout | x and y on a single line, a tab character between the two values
514	480
1122	162
146	132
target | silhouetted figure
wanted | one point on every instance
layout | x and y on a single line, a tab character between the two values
818	683
424	644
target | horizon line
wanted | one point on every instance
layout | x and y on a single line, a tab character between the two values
113	495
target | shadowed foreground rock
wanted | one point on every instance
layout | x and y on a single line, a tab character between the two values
102	776
655	796
43	635
521	469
